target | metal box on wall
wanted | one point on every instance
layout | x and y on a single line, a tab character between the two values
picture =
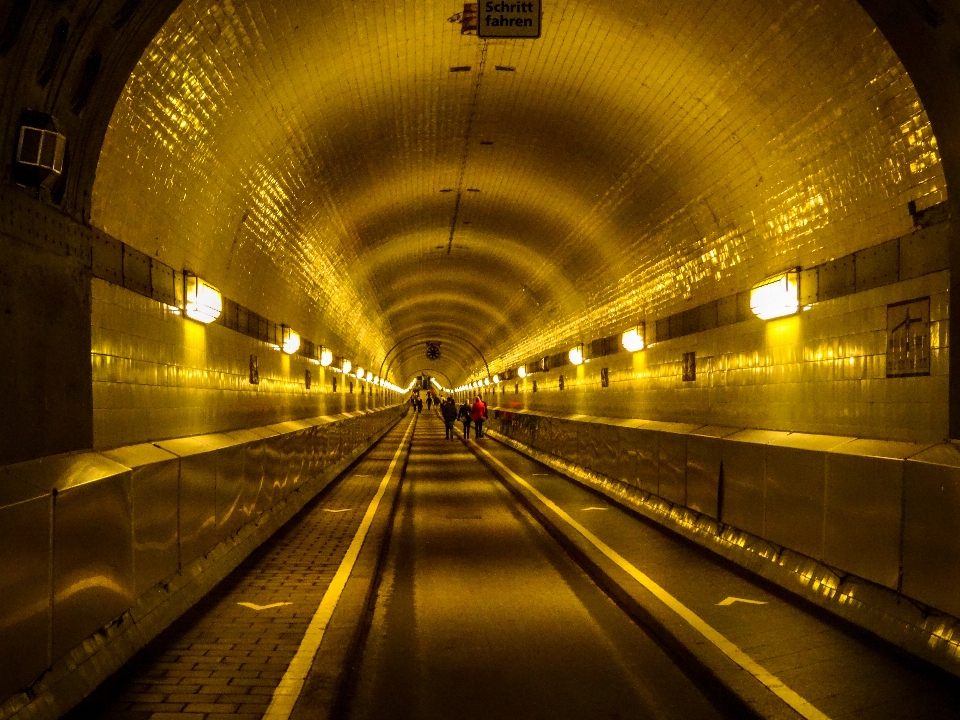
744	485
154	493
931	544
92	541
795	491
198	495
704	459
863	512
26	515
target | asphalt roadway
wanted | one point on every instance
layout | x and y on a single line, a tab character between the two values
481	614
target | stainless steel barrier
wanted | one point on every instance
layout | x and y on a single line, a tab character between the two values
864	508
704	464
795	491
931	541
83	535
26	610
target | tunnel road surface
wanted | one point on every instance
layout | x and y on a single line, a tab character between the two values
481	614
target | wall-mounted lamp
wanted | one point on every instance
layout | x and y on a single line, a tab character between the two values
369	377
777	296
40	151
486	381
326	357
202	301
359	373
576	355
632	340
496	378
289	340
346	367
522	371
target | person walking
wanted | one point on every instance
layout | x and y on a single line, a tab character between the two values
449	412
419	405
478	413
464	416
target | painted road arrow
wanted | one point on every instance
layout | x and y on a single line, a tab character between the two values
258	608
732	600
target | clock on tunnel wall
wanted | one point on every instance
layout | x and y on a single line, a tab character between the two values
433	351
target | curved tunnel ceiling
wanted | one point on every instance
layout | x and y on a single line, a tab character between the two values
321	164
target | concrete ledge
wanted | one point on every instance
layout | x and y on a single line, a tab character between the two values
77	674
905	623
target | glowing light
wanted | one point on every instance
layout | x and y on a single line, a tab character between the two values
290	340
486	381
632	340
347	366
522	371
496	378
326	357
777	296
202	301
576	355
360	373
369	377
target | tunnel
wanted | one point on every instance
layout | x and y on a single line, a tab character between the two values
694	260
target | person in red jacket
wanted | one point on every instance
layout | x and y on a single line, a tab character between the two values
478	413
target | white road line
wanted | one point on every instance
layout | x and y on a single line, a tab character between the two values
774	684
258	608
731	600
287	692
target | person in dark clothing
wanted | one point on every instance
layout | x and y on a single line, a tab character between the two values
464	416
449	412
419	405
478	413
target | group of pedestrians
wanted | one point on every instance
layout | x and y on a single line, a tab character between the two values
467	414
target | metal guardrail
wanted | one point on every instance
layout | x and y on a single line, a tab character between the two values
84	535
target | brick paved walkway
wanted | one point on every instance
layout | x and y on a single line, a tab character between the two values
223	658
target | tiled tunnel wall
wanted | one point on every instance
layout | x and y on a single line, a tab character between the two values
85	536
602	180
157	375
824	370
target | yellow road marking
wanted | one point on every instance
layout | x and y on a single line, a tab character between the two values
288	691
773	683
